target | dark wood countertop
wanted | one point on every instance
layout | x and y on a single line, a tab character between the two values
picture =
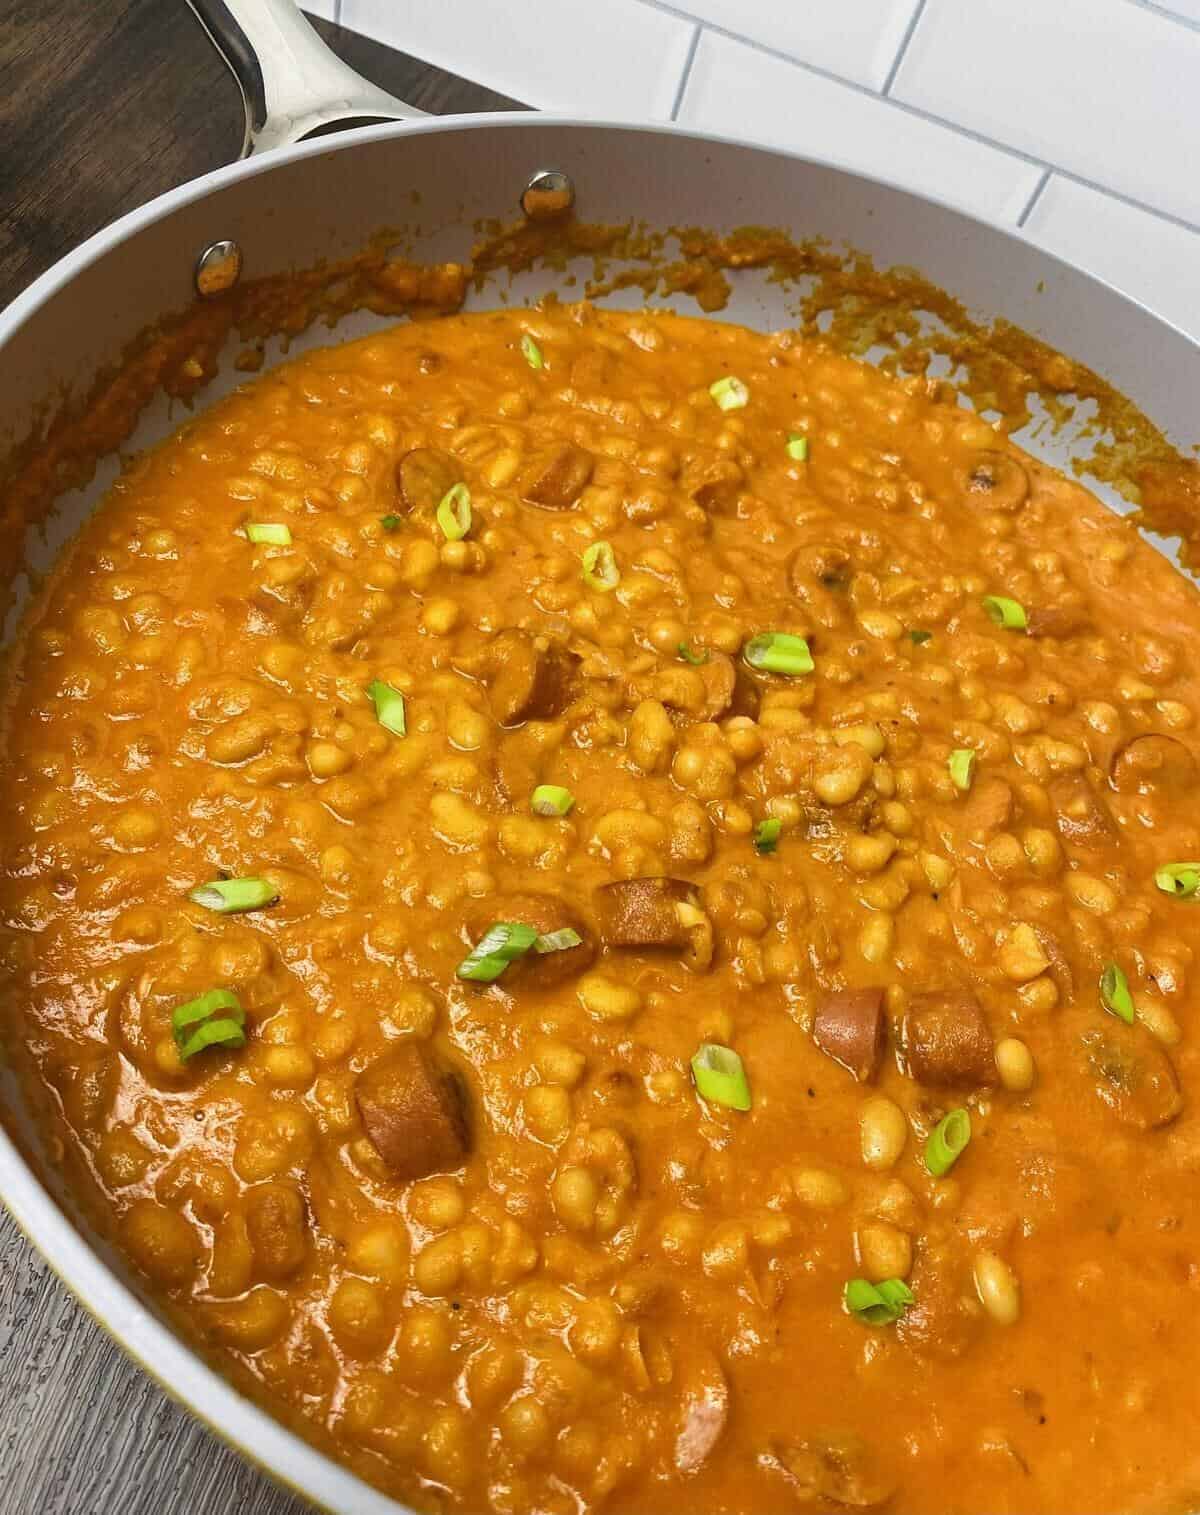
103	105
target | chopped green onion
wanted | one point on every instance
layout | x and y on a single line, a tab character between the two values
201	1009
797	447
1114	993
531	352
1180	879
778	652
600	567
558	941
454	513
219	1032
877	1304
919	638
501	944
696	659
552	799
729	393
720	1077
230	896
1005	612
267	533
390	523
213	1029
766	835
389	707
962	767
947	1142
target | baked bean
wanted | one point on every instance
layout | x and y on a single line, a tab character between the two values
999	1292
492	1227
883	1131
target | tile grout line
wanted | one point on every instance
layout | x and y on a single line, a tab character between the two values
914	22
1166	14
693	45
1034	198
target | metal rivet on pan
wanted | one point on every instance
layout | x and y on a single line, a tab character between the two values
549	192
218	268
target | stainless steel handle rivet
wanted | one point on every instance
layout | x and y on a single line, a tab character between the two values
549	192
218	268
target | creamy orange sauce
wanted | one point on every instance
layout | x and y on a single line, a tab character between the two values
487	1243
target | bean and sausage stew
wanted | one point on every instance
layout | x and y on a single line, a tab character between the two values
607	904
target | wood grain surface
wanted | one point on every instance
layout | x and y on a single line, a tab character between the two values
103	105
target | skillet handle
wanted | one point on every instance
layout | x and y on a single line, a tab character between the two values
292	85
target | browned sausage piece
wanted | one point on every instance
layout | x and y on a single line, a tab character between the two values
595	368
1153	764
555	479
837	1468
705	1413
1132	1075
988	807
819	576
717	676
944	1318
713	483
414	1113
1060	965
1079	813
995	481
1057	621
656	912
850	1028
531	677
424	476
545	913
947	1043
277	1225
720	684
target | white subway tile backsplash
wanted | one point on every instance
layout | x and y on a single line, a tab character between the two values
1106	89
736	89
621	58
1152	260
857	39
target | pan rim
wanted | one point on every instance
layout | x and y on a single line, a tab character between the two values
165	1355
60	273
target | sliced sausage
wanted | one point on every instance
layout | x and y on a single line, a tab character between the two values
595	368
424	476
994	480
1153	764
1131	1074
1060	969
945	1317
819	576
850	1027
988	807
705	692
1057	621
414	1113
720	685
545	913
531	678
705	1413
555	479
714	484
656	912
839	1468
947	1043
277	1224
1079	813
